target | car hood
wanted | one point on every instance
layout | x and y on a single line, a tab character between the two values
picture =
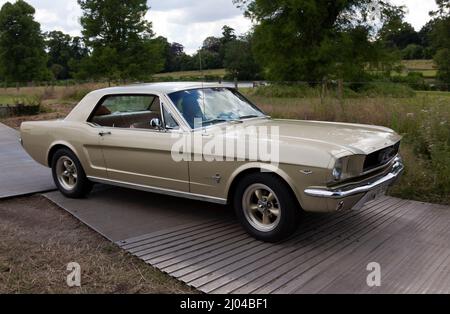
355	138
337	138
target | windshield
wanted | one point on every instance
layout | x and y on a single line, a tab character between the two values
213	105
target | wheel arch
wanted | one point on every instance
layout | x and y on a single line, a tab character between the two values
57	146
246	170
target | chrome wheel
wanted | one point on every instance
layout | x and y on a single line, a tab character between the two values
261	207
66	172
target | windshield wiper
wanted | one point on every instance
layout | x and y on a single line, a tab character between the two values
248	117
215	121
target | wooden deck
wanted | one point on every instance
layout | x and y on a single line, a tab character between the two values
203	246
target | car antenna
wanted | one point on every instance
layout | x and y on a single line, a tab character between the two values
203	85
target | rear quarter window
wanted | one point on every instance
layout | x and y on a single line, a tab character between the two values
117	104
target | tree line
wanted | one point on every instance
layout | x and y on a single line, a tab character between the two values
302	40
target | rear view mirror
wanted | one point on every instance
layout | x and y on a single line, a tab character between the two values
155	123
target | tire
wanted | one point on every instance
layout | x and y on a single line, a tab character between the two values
266	207
69	175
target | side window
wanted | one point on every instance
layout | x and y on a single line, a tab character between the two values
135	112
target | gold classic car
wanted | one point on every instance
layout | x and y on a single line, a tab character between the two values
208	142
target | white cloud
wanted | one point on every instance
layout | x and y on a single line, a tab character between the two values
179	25
417	11
47	16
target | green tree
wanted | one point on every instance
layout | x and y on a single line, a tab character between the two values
63	50
209	60
174	55
121	39
228	35
212	44
425	38
441	40
239	60
396	33
442	59
301	39
213	49
412	52
440	36
444	8
22	53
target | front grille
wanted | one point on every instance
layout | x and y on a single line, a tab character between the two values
381	157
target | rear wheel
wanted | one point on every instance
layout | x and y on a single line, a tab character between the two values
69	175
266	207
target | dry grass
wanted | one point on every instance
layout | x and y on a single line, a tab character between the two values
50	111
56	102
377	111
426	67
59	93
418	65
40	239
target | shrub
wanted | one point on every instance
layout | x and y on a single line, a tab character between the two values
387	89
75	93
28	100
286	91
415	80
23	106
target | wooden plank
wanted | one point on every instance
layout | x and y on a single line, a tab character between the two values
296	259
203	245
309	229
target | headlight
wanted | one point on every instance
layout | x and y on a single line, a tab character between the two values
337	171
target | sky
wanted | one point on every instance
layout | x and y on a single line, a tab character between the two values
188	22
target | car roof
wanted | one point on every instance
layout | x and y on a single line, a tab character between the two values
165	88
86	105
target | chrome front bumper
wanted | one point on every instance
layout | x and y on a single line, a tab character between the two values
385	181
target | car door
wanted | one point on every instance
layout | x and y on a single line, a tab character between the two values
135	152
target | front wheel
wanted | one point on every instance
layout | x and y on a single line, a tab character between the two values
69	175
266	207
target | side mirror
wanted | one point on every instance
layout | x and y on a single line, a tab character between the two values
156	123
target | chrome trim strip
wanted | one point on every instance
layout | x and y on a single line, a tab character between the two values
396	171
197	197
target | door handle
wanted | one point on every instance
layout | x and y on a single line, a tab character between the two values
103	133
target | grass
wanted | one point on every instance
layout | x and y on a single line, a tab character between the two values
7	99
433	93
38	241
11	100
429	73
423	120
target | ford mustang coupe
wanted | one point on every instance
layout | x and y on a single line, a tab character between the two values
157	138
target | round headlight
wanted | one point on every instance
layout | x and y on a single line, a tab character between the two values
337	171
337	174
